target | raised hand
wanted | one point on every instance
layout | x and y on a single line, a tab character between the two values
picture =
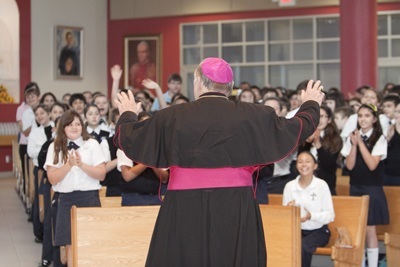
313	92
126	102
116	72
150	84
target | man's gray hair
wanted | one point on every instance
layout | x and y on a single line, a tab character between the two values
225	88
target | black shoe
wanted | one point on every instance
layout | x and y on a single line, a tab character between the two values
44	263
38	240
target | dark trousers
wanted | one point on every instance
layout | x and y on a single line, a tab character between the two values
47	246
56	249
23	150
310	241
37	224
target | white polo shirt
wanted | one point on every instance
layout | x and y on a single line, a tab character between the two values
316	198
76	179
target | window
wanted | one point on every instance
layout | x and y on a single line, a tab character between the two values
277	52
284	51
389	48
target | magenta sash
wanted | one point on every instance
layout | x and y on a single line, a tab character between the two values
197	178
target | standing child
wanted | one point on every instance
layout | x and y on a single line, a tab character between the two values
392	162
75	166
364	150
174	87
36	139
325	145
342	114
103	104
313	196
94	128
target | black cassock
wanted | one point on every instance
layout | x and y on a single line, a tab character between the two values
212	226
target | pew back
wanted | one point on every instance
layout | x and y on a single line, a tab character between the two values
118	236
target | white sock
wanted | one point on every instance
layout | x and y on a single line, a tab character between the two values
372	256
363	260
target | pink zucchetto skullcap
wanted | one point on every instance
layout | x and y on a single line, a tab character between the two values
217	70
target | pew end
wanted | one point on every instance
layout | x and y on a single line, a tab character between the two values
282	235
350	213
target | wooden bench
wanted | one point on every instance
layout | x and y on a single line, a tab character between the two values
118	236
350	213
282	235
342	183
111	201
390	233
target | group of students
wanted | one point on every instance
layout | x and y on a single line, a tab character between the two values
73	143
361	137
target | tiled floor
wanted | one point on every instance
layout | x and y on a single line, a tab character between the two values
17	248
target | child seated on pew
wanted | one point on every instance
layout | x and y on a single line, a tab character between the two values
313	196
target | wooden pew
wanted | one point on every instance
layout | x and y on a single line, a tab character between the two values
282	235
390	233
118	236
342	183
350	213
111	201
17	167
102	191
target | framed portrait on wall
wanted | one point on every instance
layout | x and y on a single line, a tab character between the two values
68	52
142	59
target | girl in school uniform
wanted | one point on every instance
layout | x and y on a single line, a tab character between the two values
141	184
98	131
364	150
392	162
325	145
313	196
36	139
103	104
75	166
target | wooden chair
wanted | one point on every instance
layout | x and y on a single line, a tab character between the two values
390	233
350	213
282	235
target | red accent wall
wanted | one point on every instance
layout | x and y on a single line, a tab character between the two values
168	28
8	111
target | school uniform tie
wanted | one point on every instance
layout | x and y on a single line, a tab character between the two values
364	138
72	145
102	121
95	135
47	131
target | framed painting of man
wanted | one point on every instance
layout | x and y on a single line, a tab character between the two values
142	60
